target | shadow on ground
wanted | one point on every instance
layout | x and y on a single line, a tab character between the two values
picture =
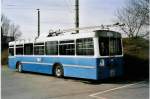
117	80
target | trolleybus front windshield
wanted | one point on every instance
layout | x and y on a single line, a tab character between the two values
110	46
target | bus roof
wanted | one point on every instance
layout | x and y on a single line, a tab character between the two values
67	36
17	42
70	36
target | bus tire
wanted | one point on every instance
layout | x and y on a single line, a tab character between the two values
58	71
19	67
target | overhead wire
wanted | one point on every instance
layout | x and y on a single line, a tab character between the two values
71	11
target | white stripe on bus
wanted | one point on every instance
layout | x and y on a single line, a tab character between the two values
80	66
65	65
36	63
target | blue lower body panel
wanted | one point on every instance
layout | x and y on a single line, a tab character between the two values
12	62
73	67
88	73
47	69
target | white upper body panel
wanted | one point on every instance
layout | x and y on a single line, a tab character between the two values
44	38
67	36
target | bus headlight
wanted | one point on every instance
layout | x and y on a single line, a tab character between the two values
102	63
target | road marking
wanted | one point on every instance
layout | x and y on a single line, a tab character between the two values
98	97
102	92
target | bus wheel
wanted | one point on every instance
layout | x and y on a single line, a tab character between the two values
58	71
19	67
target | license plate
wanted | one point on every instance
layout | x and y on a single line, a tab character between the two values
112	73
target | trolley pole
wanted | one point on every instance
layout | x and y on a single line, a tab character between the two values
77	15
38	22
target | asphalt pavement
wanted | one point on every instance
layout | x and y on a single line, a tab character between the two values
29	85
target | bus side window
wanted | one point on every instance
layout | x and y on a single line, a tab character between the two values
39	49
11	51
19	49
67	47
28	49
85	46
51	48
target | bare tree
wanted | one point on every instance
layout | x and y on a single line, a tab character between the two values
14	31
135	16
5	24
9	29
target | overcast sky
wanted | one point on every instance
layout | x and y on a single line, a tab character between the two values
58	14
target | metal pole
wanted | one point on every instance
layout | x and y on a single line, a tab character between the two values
77	15
38	22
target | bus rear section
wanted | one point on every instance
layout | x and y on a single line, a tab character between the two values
109	67
110	62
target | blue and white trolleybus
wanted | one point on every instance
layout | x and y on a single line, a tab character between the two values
94	55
